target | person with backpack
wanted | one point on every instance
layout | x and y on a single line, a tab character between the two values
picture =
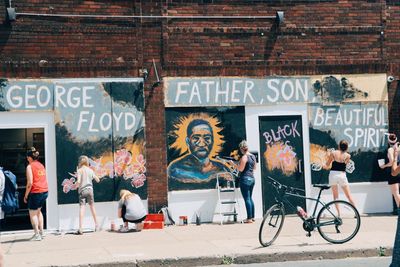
36	192
8	193
85	179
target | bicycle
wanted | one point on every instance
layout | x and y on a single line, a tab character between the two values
337	221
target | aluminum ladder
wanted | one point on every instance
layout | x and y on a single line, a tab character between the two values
227	197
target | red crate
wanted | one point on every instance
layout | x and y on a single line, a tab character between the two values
154	221
155	217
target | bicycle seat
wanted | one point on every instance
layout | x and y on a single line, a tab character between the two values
322	186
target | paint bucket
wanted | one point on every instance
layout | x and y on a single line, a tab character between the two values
183	220
112	227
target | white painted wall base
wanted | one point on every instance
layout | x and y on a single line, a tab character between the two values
369	197
202	202
106	212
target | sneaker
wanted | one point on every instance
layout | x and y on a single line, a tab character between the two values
36	237
42	234
124	229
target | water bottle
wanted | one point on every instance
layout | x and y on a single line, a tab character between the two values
301	213
198	222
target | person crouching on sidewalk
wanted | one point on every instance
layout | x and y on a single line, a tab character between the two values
85	182
131	210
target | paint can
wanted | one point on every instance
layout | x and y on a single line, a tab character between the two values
112	227
183	220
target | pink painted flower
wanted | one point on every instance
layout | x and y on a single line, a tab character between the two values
128	172
140	165
69	184
123	157
287	155
109	169
138	180
119	169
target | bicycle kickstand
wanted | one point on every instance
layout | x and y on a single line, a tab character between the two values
308	234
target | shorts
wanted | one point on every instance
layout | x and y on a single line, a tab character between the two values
123	211
393	179
86	196
338	178
36	200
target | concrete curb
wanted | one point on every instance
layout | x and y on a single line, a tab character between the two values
249	258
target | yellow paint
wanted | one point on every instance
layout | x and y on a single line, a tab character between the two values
319	155
281	157
180	129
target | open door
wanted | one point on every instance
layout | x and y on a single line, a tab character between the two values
13	146
281	152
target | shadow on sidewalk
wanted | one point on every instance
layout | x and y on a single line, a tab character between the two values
17	240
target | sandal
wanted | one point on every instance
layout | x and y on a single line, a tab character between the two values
79	232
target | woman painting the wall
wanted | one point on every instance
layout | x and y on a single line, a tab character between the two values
247	166
339	158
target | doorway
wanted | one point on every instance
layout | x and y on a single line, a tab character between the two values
282	156
13	146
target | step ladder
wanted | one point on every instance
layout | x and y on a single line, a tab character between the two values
227	197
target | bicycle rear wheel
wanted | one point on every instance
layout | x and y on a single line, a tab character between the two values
271	225
338	222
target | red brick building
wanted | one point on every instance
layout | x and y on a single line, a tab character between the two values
205	38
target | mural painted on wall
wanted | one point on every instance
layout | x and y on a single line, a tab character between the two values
108	126
281	145
201	142
237	91
101	119
362	125
331	89
241	91
336	89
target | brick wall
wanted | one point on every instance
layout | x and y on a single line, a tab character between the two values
318	37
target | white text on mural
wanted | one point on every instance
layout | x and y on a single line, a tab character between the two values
239	91
81	98
363	126
281	133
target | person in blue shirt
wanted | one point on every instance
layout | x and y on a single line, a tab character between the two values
247	166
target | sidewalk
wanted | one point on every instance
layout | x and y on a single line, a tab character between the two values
207	244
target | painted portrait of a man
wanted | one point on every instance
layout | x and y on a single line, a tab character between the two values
197	166
199	140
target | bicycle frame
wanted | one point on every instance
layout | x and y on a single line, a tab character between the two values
284	191
274	218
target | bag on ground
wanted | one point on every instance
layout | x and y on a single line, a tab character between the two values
10	203
167	216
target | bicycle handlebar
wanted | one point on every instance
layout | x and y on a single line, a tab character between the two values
284	188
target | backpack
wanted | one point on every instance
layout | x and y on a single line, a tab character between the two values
167	216
10	203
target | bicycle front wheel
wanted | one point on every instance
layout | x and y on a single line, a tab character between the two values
271	225
338	222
